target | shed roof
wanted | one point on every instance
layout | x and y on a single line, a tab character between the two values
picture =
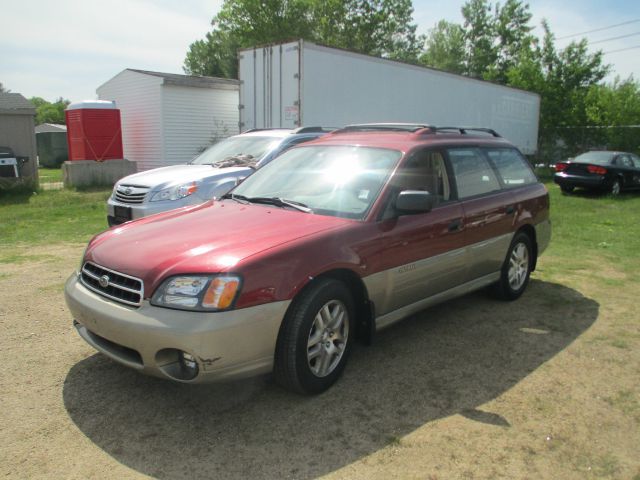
50	127
15	103
192	80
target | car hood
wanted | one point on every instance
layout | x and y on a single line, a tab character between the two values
175	174
209	238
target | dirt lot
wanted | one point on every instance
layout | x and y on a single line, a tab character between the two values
545	387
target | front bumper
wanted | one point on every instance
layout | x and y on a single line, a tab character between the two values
226	345
145	209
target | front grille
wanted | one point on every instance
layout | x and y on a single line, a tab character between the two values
117	286
131	193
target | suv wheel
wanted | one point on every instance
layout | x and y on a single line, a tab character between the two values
315	338
516	269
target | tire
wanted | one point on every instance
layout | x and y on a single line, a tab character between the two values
567	188
315	338
616	187
516	270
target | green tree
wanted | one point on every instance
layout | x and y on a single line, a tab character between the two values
382	28
376	27
563	80
513	37
445	48
615	108
214	56
480	35
47	112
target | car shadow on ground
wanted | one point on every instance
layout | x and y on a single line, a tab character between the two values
447	360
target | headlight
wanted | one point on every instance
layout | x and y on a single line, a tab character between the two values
198	292
175	193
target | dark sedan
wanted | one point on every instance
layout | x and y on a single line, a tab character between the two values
599	170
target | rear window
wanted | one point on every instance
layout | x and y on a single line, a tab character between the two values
473	174
512	167
596	158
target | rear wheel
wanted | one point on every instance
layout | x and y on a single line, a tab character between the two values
514	276
315	338
616	187
567	188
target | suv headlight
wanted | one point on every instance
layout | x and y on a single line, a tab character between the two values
198	292
175	193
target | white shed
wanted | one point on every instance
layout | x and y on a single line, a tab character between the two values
169	118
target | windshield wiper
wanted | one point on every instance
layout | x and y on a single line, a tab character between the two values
238	198
281	202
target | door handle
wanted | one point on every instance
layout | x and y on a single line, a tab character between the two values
510	209
455	225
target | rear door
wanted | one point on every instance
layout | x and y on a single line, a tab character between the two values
489	210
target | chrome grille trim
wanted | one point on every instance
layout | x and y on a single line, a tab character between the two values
121	287
132	194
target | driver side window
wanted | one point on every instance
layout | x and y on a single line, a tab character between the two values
425	171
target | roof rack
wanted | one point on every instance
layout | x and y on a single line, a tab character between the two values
385	127
415	128
465	130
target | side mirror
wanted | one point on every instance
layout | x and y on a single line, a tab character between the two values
414	201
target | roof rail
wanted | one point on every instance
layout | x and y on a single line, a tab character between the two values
263	129
385	127
465	130
315	129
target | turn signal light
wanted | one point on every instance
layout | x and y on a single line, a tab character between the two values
596	169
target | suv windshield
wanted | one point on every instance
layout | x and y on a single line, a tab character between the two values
341	181
253	145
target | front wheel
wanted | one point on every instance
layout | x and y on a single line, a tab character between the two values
516	270
315	338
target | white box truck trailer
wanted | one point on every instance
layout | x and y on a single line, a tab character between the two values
300	83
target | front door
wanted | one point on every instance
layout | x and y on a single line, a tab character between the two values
423	252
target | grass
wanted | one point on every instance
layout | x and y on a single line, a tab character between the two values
51	217
50	175
600	229
595	251
585	227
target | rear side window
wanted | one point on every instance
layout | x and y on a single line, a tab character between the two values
512	167
473	174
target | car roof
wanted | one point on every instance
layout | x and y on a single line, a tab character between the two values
413	136
272	132
286	132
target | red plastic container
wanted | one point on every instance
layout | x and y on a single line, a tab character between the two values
94	131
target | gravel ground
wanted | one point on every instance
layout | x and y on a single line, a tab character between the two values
545	387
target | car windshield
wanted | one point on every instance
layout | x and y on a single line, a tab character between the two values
341	181
596	158
253	145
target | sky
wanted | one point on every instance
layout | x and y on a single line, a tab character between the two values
68	48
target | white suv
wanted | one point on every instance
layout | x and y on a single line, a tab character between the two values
211	174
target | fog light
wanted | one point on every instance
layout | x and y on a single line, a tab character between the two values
188	361
189	365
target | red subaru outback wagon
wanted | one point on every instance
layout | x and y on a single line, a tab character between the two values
332	241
